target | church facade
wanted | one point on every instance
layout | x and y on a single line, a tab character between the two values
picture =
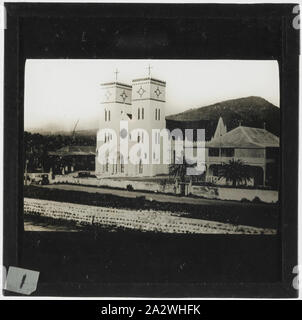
136	114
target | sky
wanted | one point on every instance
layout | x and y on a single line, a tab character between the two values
60	92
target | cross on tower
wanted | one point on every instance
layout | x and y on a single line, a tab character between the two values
116	72
149	70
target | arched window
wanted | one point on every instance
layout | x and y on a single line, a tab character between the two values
143	116
105	115
138	113
155	114
109	115
158	114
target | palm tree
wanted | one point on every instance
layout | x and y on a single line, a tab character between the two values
235	171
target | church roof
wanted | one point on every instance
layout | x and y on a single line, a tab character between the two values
116	83
245	137
74	151
149	78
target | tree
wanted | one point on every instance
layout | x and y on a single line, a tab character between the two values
235	171
37	146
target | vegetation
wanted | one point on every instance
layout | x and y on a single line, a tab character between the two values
37	146
129	187
235	171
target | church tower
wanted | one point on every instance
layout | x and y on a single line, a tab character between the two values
148	112
116	106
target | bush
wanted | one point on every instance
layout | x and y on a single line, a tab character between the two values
245	200
129	187
256	200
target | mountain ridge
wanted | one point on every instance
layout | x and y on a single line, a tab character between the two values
249	111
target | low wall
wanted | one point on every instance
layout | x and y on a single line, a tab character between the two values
269	196
116	183
237	194
145	220
209	192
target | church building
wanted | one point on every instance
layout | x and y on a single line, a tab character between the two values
133	115
140	109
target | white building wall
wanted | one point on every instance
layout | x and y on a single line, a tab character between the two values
148	113
115	104
145	103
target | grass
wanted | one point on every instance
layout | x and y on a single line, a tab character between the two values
257	215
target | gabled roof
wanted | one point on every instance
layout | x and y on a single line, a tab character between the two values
221	129
245	137
74	151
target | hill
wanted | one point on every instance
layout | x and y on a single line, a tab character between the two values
250	111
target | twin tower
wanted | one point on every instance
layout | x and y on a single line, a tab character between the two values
142	105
